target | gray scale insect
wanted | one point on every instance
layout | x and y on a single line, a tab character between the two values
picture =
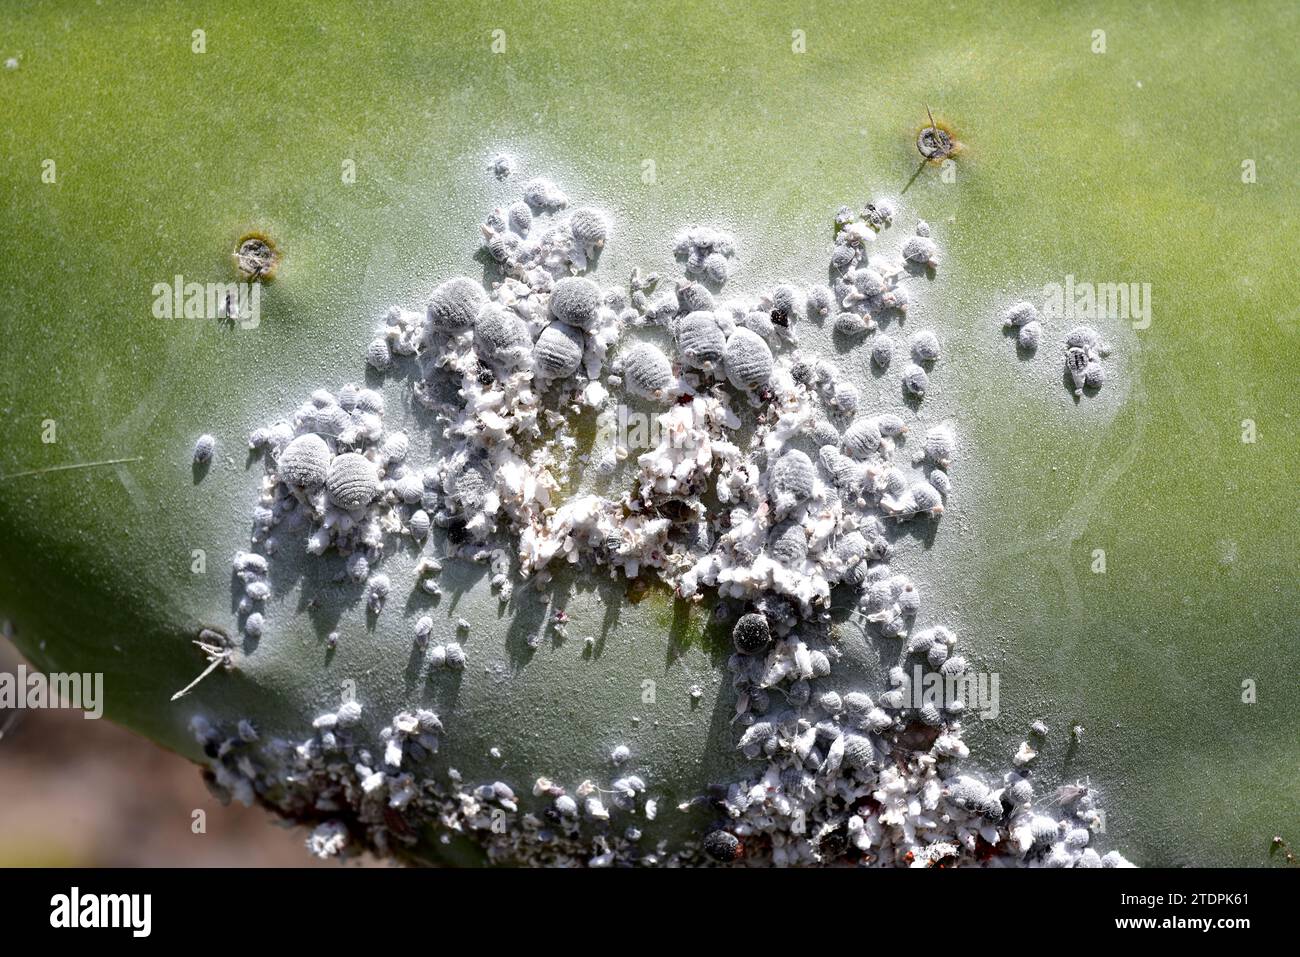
558	351
352	481
749	362
455	304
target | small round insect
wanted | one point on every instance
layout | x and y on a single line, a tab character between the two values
759	323
254	625
589	227
915	380
850	325
723	846
869	283
620	754
785	301
423	629
858	752
824	433
418	524
1044	829
921	251
831	701
953	667
926	498
940	446
793	476
751	634
882	351
352	481
455	304
934	143
558	351
820	301
909	600
204	448
692	297
576	301
1083	337
501	337
541	193
1094	376
304	462
891	424
748	360
821	665
716	268
845	397
1020	314
925	346
843	257
937	654
1076	363
378	355
519	216
852	553
941	482
1030	335
862	438
878	215
455	655
647	371
788	543
700	339
358	567
858	704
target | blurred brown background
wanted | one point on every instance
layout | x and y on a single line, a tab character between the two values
78	793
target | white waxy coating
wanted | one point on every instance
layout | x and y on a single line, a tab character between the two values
576	301
304	462
558	352
455	304
749	360
647	371
352	481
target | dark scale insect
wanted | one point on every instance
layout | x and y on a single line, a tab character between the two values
484	375
832	845
723	846
780	317
751	634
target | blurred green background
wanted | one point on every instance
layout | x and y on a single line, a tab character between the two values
1119	164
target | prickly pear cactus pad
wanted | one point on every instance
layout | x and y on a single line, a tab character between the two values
671	434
